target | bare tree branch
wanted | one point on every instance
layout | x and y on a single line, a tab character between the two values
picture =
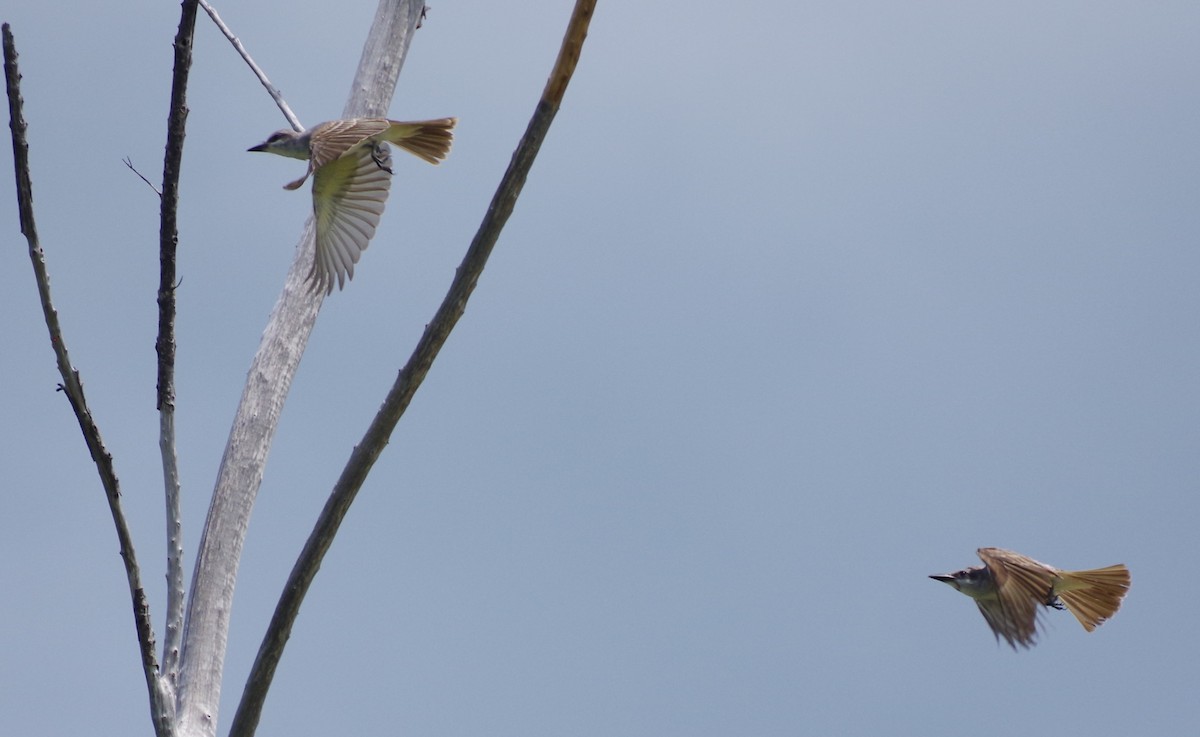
168	236
272	90
72	387
267	385
436	332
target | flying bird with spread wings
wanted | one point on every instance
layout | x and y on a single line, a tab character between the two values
351	166
1009	588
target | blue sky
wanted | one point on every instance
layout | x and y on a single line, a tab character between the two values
802	303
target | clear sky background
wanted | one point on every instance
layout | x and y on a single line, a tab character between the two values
802	303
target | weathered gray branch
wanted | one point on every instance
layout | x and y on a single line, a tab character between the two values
436	333
267	384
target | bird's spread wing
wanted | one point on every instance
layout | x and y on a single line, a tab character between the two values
1022	585
331	141
1015	627
349	194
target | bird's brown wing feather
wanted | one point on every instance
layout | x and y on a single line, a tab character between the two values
1022	585
1011	625
1020	573
333	140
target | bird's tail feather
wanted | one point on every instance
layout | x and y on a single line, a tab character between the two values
1093	596
426	139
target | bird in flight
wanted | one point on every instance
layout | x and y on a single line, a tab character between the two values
1009	588
351	166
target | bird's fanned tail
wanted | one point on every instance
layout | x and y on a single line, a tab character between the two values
426	139
1093	596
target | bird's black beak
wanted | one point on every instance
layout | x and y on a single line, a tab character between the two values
260	147
942	577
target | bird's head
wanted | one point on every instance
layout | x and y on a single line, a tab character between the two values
975	581
285	143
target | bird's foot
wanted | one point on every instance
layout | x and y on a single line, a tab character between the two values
379	156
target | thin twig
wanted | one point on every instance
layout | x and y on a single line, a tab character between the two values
133	169
376	438
273	91
72	387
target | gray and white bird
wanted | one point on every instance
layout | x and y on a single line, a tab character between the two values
1009	588
351	168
